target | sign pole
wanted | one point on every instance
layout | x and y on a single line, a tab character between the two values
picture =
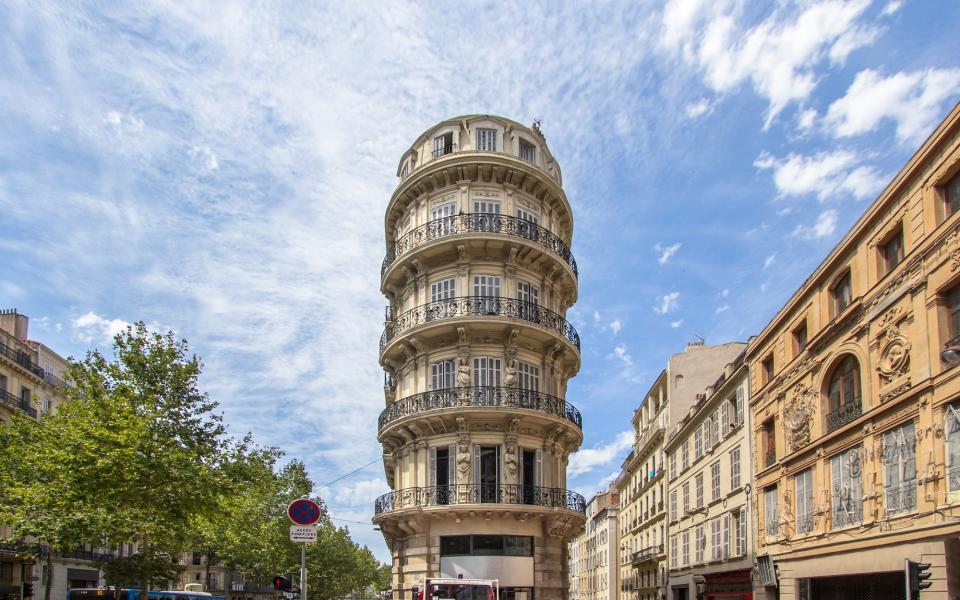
303	571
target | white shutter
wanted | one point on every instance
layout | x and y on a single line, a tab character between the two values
452	465
724	419
739	407
725	540
538	477
742	534
432	477
476	465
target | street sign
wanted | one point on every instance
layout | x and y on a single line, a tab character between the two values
304	511
303	533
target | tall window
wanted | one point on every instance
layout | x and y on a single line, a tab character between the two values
528	151
441	218
686	497
767	369
715	481
487	140
686	547
800	338
771	511
444	289
673	552
739	405
846	489
953	302
698	543
803	483
844	393
528	377
699	485
530	296
486	371
735	468
842	294
673	505
708	438
443	374
900	469
685	454
715	428
891	251
487	289
715	550
673	464
952	194
952	428
485	215
443	144
697	443
740	530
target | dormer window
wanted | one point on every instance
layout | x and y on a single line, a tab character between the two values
842	294
487	140
443	145
528	151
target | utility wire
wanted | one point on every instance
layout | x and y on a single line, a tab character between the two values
349	474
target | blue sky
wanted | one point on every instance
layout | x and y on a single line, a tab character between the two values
222	169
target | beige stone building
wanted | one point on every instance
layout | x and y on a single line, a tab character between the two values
709	492
30	378
595	573
641	483
855	415
477	431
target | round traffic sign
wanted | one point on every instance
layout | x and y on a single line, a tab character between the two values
304	511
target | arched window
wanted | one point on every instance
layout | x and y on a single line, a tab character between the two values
844	393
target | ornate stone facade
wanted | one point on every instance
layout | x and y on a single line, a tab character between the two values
476	433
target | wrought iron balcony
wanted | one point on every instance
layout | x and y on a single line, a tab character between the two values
479	396
479	223
472	306
444	150
648	554
22	358
15	402
770	457
458	494
847	412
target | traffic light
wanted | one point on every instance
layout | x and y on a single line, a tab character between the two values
917	574
28	589
281	583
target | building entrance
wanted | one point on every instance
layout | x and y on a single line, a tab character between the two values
866	586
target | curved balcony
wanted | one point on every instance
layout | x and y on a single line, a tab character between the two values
479	223
476	306
459	494
467	397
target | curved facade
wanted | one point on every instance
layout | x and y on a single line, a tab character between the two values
477	351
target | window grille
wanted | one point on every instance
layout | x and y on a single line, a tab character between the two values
900	469
771	511
847	503
803	483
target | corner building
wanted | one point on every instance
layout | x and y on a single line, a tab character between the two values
476	432
855	417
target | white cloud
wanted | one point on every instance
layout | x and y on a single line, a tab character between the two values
596	316
667	303
722	309
825	225
92	328
205	157
616	326
806	119
826	174
588	459
914	101
891	7
769	261
725	292
621	353
676	324
698	108
778	56
666	252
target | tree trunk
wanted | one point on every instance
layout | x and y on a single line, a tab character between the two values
145	582
227	581
206	573
48	583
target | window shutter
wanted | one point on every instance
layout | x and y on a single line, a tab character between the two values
742	534
432	476
725	540
739	408
724	420
476	465
538	480
451	465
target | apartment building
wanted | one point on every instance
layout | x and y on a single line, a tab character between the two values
31	376
641	483
709	493
855	393
595	570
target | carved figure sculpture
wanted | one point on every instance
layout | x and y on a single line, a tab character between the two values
463	373
510	377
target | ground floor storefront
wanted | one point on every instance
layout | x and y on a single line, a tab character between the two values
869	572
714	582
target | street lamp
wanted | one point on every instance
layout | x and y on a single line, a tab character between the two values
951	352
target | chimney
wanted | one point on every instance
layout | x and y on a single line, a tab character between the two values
14	323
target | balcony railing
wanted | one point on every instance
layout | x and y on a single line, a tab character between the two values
479	396
15	402
470	306
847	412
653	430
770	457
901	498
480	494
479	223
444	150
22	358
646	554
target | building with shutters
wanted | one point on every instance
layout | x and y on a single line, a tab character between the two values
854	413
596	573
476	431
709	493
641	483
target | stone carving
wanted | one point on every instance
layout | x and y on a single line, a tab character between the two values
894	358
510	376
463	373
797	415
